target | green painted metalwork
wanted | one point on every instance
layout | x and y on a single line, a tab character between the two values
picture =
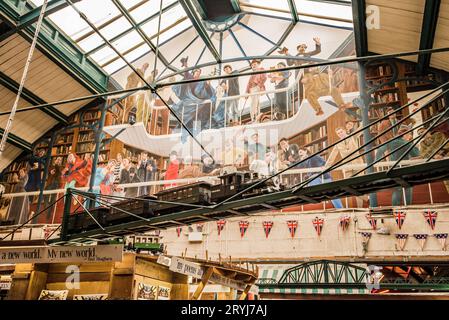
32	16
17	141
29	96
415	174
294	12
323	272
136	27
58	47
428	30
196	21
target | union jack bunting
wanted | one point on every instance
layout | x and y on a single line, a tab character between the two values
399	217
431	218
318	225
344	222
401	239
442	237
178	231
220	225
267	225
365	237
422	238
292	226
243	227
372	221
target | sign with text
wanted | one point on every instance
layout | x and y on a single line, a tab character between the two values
186	267
195	270
216	278
62	254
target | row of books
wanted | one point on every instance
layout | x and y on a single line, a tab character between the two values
315	134
64	149
68	138
86	136
385	98
85	147
381	70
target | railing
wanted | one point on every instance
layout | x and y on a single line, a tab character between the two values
52	212
225	111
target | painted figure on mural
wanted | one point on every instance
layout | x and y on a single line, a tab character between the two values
256	84
192	108
302	52
218	117
232	90
318	84
146	169
20	206
53	183
172	169
316	161
104	179
189	169
77	171
280	80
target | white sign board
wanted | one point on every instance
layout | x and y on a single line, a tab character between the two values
196	271
164	260
186	267
227	282
62	254
5	285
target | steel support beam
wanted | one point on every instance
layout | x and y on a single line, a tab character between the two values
53	43
136	27
17	141
294	12
30	97
199	27
428	29
32	16
360	31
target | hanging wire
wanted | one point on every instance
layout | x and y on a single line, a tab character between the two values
22	81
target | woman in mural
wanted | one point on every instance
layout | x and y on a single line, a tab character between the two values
192	105
20	206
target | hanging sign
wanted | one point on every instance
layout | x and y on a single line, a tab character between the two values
62	254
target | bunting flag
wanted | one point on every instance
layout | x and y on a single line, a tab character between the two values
318	224
220	226
442	237
421	238
292	226
401	239
178	231
344	222
366	236
372	221
267	225
399	217
243	227
431	218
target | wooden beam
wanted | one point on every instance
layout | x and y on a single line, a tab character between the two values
202	284
245	292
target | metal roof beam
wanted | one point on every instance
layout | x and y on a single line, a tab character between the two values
56	46
32	16
17	141
360	30
30	97
199	27
136	26
428	30
294	12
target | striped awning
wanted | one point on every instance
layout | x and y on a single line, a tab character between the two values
313	291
